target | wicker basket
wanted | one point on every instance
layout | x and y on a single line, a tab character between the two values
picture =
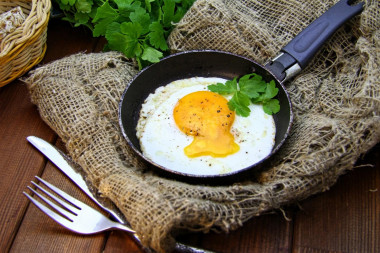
25	46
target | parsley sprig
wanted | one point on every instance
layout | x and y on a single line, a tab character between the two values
137	28
250	88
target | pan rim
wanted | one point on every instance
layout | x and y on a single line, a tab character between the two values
197	176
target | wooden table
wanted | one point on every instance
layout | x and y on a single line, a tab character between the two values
345	218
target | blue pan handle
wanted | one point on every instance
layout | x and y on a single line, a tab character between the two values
299	51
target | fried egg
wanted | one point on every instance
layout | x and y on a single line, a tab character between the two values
188	129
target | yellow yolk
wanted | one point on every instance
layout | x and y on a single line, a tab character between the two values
206	116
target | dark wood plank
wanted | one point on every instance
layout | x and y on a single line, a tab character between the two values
347	217
64	40
19	118
18	162
42	234
267	233
120	242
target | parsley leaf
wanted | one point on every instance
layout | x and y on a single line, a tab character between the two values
271	106
115	38
157	36
81	18
105	15
140	16
83	6
151	54
224	89
106	11
271	90
252	85
168	9
132	32
239	103
137	28
251	88
123	4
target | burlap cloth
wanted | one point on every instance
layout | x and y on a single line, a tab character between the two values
336	106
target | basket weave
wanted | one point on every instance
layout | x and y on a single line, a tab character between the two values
26	45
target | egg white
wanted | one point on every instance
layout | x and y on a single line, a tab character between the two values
162	142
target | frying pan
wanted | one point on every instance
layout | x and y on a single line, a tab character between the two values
212	63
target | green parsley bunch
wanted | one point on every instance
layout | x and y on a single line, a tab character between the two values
137	28
251	88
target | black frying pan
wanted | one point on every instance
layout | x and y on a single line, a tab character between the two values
210	63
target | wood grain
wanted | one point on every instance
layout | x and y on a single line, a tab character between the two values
345	218
64	40
18	162
39	232
19	118
268	233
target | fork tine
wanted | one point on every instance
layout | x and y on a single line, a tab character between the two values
75	202
58	218
60	210
65	204
84	220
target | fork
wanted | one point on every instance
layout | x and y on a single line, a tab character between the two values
81	218
72	213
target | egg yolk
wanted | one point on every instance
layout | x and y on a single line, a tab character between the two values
206	116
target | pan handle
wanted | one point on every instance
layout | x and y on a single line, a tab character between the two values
300	50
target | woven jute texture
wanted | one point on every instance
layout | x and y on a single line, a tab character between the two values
336	105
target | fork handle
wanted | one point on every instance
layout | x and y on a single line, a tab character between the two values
120	226
179	247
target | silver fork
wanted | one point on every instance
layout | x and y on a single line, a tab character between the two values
81	218
71	213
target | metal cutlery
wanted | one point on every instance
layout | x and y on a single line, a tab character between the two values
70	212
66	165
